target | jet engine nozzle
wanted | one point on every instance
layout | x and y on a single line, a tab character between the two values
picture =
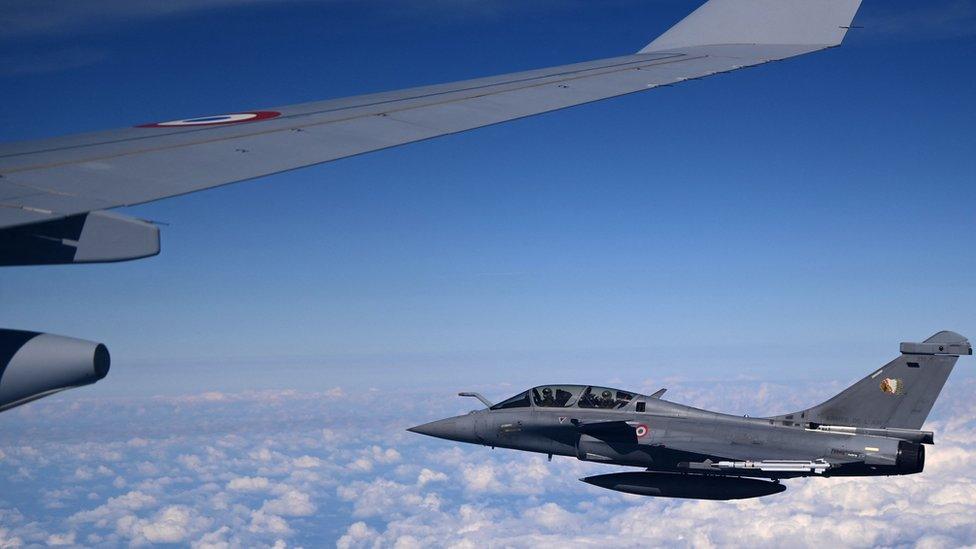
34	365
911	458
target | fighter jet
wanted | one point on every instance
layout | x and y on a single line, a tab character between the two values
870	429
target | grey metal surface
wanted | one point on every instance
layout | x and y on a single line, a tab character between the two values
35	365
899	395
694	445
56	178
95	237
813	22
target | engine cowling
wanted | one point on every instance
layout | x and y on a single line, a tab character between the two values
35	365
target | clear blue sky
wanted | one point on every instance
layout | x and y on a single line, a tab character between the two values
825	200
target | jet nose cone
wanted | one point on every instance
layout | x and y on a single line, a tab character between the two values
443	428
460	429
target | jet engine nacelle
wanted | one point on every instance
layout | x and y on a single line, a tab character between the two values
34	365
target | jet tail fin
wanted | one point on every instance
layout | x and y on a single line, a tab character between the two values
900	395
818	23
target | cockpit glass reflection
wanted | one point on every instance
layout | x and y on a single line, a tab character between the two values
555	396
602	397
567	396
517	401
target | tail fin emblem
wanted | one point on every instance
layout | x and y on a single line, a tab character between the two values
893	386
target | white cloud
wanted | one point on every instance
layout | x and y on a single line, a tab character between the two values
9	540
114	508
552	517
358	535
426	476
58	540
480	478
330	436
361	464
386	456
281	479
83	473
374	455
523	476
263	523
173	524
214	540
249	484
307	462
263	454
290	504
386	497
192	462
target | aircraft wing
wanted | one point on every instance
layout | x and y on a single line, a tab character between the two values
48	188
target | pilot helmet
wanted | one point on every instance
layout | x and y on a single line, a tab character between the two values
606	395
547	392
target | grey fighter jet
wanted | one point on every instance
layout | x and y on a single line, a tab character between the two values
872	428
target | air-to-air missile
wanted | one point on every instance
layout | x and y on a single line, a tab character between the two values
872	428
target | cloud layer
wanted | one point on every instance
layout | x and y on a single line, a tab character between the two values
278	468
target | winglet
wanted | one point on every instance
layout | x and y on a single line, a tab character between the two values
773	22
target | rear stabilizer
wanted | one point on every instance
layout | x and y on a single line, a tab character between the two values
900	395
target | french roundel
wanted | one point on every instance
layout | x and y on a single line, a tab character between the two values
216	120
641	431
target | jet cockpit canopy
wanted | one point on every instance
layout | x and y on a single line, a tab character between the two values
568	396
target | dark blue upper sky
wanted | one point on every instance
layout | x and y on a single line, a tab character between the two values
824	200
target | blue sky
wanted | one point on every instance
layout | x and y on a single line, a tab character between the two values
783	227
821	201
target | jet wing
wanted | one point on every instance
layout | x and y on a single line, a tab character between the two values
49	180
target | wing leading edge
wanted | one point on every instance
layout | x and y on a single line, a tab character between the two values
62	177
